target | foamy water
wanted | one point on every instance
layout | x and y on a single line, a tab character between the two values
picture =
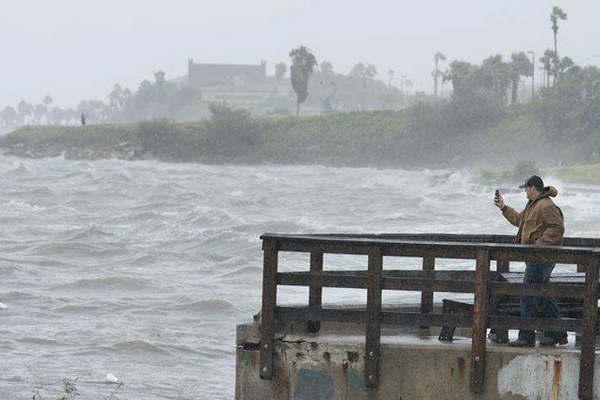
143	269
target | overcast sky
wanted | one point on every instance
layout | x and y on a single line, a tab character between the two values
77	49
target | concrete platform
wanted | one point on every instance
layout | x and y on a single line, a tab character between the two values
413	365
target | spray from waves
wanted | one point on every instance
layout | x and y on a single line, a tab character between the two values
19	170
21	208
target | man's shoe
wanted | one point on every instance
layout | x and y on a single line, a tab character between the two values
553	341
521	343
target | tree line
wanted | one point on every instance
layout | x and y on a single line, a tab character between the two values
152	99
480	92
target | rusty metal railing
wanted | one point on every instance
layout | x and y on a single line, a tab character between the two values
583	252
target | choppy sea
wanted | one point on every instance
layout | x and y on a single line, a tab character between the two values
142	269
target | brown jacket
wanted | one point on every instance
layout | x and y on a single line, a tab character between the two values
540	223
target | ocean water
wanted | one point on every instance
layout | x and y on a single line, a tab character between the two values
142	269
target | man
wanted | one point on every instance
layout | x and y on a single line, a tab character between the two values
541	223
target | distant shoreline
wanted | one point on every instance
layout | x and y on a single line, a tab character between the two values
381	139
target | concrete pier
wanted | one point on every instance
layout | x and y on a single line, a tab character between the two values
414	365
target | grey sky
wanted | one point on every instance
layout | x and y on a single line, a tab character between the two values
76	49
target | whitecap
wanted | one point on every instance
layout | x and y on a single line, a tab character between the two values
110	378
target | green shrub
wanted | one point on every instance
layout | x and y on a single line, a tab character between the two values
232	131
157	135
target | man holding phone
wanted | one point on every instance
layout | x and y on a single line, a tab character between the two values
541	223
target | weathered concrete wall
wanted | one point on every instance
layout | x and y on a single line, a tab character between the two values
413	365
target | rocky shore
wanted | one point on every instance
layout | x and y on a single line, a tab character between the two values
122	151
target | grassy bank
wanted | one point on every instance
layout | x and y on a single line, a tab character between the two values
346	139
408	138
584	173
580	173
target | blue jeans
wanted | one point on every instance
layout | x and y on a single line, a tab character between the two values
536	306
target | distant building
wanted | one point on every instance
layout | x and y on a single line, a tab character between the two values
237	84
202	75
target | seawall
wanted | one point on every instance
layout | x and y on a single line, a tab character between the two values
413	365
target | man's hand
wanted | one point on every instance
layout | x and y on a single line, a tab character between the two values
499	201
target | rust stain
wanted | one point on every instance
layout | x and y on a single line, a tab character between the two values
281	381
461	367
352	356
556	379
254	361
345	378
345	367
327	358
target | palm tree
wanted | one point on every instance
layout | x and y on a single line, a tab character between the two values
436	72
458	74
303	65
496	76
547	60
444	76
557	14
159	83
565	65
520	65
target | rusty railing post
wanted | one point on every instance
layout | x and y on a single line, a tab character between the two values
315	294
269	301
502	266
480	321
373	336
588	340
427	295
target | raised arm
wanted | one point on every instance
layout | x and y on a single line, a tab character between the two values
509	213
512	215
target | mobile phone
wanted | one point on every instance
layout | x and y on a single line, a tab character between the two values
497	195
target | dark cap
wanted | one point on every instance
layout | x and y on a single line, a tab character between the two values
534	181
